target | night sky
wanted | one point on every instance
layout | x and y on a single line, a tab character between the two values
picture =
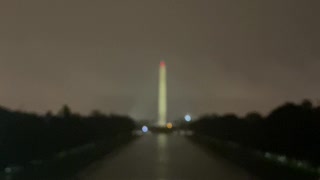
221	55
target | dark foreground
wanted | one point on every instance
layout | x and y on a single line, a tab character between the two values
157	157
256	163
163	157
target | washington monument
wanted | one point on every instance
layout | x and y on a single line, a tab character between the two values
162	111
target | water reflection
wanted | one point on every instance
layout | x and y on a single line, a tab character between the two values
163	157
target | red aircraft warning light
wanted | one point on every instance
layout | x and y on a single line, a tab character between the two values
162	64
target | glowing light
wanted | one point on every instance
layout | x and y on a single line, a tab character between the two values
187	118
162	64
145	129
169	125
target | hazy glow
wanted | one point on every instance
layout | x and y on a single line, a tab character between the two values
75	59
187	118
145	129
169	125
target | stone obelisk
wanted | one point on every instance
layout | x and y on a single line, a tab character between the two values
162	111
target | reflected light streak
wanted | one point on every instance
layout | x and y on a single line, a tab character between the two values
163	158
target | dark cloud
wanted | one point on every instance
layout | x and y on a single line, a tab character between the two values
222	56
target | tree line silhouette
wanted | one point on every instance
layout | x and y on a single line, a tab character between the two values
28	136
291	129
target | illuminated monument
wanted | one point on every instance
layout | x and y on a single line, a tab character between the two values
162	112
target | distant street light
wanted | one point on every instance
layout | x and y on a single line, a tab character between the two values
145	129
187	118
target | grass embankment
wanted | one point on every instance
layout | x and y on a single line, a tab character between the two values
263	164
67	164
